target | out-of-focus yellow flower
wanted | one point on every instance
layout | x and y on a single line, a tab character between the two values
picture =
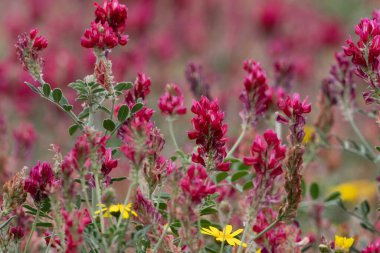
309	134
343	244
258	251
116	210
224	235
356	191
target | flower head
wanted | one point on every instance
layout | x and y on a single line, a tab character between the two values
40	178
75	222
294	111
14	194
117	210
171	103
266	158
209	134
196	78
28	47
339	87
225	235
106	31
100	36
365	55
343	244
140	89
373	247
354	192
254	96
196	184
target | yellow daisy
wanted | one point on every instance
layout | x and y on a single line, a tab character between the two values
224	235
356	191
343	244
116	210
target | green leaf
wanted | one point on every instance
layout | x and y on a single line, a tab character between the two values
238	175
248	185
67	108
34	89
208	210
123	113
137	107
30	208
333	196
123	86
46	205
221	176
314	190
46	89
378	148
84	113
109	125
73	129
5	223
365	208
57	95
116	179
44	224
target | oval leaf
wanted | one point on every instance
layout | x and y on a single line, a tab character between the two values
314	190
57	95
109	125
73	129
123	86
46	89
137	107
123	113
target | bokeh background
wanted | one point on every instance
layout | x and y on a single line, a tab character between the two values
165	36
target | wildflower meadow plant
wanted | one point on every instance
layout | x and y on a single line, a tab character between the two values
129	184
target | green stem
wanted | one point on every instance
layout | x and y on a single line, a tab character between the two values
69	113
272	225
222	246
155	250
242	134
130	188
32	230
244	234
99	200
359	134
171	130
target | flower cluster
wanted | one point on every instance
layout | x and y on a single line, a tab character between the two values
365	53
339	87
196	78
254	96
209	134
294	111
41	177
140	89
75	222
171	103
28	47
266	159
106	31
280	238
80	159
373	247
196	183
13	194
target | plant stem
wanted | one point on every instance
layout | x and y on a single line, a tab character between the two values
242	134
130	188
171	130
358	133
32	231
272	225
99	200
155	250
244	234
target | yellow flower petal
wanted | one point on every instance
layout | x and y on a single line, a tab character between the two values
237	232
